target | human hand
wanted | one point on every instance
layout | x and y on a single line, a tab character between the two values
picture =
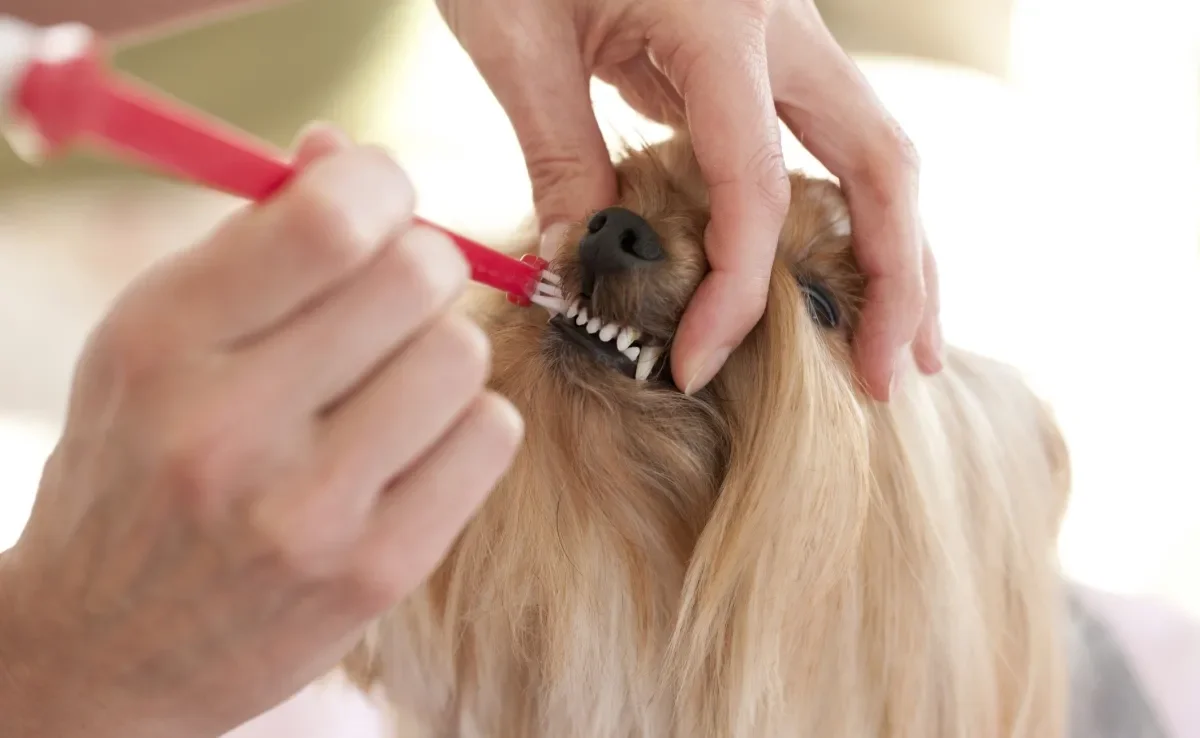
272	437
729	69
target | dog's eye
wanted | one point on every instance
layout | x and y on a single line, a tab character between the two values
821	305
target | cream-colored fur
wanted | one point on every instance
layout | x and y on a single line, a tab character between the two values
775	556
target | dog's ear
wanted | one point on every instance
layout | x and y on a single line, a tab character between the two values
782	543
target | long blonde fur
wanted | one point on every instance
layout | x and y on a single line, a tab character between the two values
778	556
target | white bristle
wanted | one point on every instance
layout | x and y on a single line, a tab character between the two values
583	317
573	310
593	325
549	290
608	331
551	277
632	352
555	305
646	361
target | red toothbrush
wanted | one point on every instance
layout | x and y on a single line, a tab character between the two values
56	91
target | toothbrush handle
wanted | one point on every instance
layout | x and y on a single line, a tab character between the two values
77	98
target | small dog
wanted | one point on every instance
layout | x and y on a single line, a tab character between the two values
777	555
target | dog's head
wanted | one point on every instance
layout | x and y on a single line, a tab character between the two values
778	553
693	491
629	272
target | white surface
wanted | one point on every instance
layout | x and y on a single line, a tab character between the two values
24	446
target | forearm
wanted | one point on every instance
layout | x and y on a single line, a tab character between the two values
123	17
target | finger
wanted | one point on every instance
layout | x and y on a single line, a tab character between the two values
272	261
927	348
543	85
735	133
420	515
317	141
360	324
828	104
387	424
647	90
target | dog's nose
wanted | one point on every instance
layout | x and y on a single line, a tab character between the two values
618	240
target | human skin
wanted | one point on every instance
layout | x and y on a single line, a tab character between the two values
272	437
728	70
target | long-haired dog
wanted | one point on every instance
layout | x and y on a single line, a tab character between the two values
777	555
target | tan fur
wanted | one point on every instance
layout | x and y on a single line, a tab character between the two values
776	556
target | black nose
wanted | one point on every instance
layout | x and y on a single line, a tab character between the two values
617	240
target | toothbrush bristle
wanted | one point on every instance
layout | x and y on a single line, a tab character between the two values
555	305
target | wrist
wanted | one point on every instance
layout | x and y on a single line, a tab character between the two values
45	691
18	708
34	699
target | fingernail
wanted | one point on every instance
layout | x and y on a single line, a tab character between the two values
552	239
708	369
445	270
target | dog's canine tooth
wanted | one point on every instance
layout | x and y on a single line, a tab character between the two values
583	316
624	338
574	309
646	360
593	325
632	352
608	331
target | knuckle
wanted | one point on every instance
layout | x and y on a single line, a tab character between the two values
771	179
379	584
900	153
284	543
196	467
322	228
422	279
127	349
569	176
501	427
333	223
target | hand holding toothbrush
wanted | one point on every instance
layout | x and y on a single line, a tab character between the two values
272	437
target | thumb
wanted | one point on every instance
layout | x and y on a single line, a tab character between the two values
546	95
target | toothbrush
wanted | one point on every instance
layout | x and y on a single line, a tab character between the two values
56	91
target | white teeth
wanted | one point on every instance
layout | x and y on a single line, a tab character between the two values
645	357
625	338
646	361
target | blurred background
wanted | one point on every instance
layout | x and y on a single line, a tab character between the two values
1061	189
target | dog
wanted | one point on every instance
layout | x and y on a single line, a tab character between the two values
775	555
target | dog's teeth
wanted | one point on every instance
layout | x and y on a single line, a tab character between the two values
608	331
583	317
574	309
646	360
632	352
593	325
624	338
